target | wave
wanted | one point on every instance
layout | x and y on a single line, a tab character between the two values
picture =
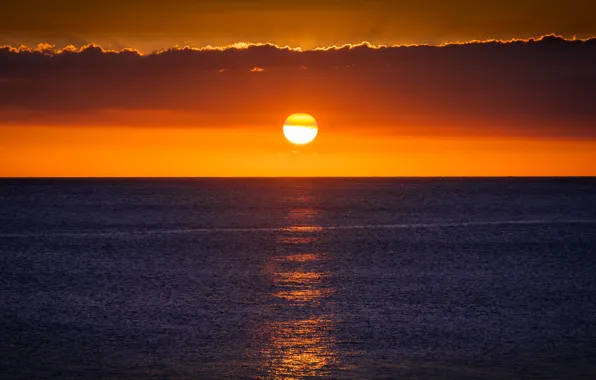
289	229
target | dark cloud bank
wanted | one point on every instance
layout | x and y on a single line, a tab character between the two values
545	86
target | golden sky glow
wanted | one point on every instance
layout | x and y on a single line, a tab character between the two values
133	151
503	97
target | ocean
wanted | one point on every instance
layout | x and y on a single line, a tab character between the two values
313	278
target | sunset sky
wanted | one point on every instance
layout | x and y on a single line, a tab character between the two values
202	88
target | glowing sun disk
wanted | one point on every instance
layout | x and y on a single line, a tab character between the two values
300	128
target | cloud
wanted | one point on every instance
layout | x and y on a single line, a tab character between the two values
542	86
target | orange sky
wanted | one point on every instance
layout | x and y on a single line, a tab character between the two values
521	107
136	151
154	24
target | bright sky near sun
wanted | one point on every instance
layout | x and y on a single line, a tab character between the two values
521	105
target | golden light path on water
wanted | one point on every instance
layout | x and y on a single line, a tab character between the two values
303	345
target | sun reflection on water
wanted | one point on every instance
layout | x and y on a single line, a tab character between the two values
304	257
300	349
301	287
300	342
301	213
302	229
297	240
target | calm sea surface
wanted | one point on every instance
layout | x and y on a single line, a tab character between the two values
298	279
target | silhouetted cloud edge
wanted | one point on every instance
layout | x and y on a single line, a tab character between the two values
44	48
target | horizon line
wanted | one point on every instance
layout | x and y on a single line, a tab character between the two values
311	177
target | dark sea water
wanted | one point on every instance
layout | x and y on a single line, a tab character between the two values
298	279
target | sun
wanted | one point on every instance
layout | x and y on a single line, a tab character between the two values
300	128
